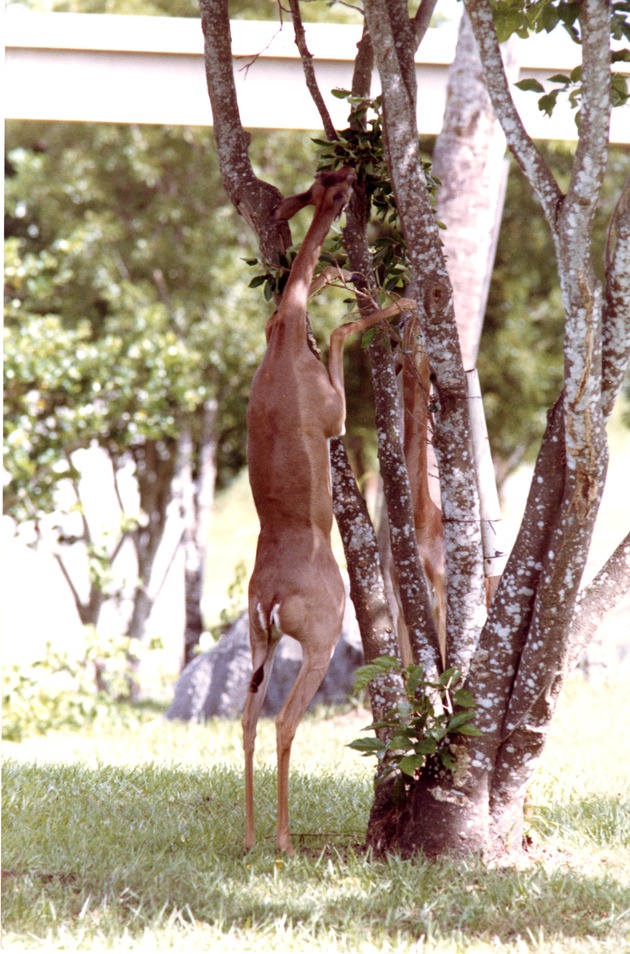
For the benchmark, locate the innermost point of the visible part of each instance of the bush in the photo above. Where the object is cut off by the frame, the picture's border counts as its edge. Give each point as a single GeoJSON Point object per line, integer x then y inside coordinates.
{"type": "Point", "coordinates": [61, 691]}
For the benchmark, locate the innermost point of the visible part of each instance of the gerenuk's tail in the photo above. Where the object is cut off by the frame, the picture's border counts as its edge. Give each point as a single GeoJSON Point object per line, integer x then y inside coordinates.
{"type": "Point", "coordinates": [259, 675]}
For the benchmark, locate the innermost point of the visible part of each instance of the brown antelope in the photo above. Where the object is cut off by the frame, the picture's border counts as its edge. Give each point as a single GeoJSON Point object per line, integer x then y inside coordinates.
{"type": "Point", "coordinates": [296, 405]}
{"type": "Point", "coordinates": [427, 516]}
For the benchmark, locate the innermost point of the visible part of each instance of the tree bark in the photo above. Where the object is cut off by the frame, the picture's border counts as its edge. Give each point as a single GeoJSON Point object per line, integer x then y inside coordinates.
{"type": "Point", "coordinates": [469, 160]}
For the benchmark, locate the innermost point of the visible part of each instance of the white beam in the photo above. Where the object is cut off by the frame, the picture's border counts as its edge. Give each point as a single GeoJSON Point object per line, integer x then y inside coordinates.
{"type": "Point", "coordinates": [105, 68]}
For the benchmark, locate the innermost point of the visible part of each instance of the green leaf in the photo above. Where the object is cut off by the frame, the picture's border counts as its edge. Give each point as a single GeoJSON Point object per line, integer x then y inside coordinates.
{"type": "Point", "coordinates": [547, 104]}
{"type": "Point", "coordinates": [367, 746]}
{"type": "Point", "coordinates": [426, 747]}
{"type": "Point", "coordinates": [530, 84]}
{"type": "Point", "coordinates": [469, 729]}
{"type": "Point", "coordinates": [414, 679]}
{"type": "Point", "coordinates": [379, 667]}
{"type": "Point", "coordinates": [464, 698]}
{"type": "Point", "coordinates": [448, 760]}
{"type": "Point", "coordinates": [549, 18]}
{"type": "Point", "coordinates": [458, 720]}
{"type": "Point", "coordinates": [561, 78]}
{"type": "Point", "coordinates": [450, 677]}
{"type": "Point", "coordinates": [619, 90]}
{"type": "Point", "coordinates": [412, 764]}
{"type": "Point", "coordinates": [400, 741]}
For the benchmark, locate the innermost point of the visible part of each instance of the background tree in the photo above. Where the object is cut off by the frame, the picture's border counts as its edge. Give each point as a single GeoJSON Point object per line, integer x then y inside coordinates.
{"type": "Point", "coordinates": [121, 330]}
{"type": "Point", "coordinates": [471, 796]}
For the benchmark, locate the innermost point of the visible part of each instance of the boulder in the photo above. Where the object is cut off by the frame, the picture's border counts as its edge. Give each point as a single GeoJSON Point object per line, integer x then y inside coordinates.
{"type": "Point", "coordinates": [215, 682]}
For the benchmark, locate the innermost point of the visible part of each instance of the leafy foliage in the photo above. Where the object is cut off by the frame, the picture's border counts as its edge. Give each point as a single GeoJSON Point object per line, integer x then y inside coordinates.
{"type": "Point", "coordinates": [119, 324]}
{"type": "Point", "coordinates": [62, 692]}
{"type": "Point", "coordinates": [423, 727]}
{"type": "Point", "coordinates": [537, 16]}
{"type": "Point", "coordinates": [361, 147]}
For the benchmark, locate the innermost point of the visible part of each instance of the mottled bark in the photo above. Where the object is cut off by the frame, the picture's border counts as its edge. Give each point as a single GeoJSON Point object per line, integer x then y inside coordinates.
{"type": "Point", "coordinates": [469, 160]}
{"type": "Point", "coordinates": [394, 50]}
{"type": "Point", "coordinates": [251, 196]}
{"type": "Point", "coordinates": [367, 587]}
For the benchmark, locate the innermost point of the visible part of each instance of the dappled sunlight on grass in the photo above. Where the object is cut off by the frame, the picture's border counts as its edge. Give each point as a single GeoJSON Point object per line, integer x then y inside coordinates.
{"type": "Point", "coordinates": [130, 839]}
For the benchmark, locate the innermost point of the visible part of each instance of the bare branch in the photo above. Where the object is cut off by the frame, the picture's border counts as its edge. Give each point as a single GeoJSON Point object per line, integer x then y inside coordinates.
{"type": "Point", "coordinates": [616, 310]}
{"type": "Point", "coordinates": [597, 599]}
{"type": "Point", "coordinates": [252, 197]}
{"type": "Point", "coordinates": [363, 65]}
{"type": "Point", "coordinates": [422, 19]}
{"type": "Point", "coordinates": [309, 73]}
{"type": "Point", "coordinates": [591, 154]}
{"type": "Point", "coordinates": [522, 146]}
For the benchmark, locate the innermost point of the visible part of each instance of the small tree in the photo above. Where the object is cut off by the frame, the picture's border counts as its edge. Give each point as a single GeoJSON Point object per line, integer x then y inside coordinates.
{"type": "Point", "coordinates": [119, 334]}
{"type": "Point", "coordinates": [467, 792]}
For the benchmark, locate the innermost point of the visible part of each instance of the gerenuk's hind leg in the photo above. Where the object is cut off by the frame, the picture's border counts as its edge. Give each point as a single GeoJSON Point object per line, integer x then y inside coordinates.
{"type": "Point", "coordinates": [263, 649]}
{"type": "Point", "coordinates": [314, 666]}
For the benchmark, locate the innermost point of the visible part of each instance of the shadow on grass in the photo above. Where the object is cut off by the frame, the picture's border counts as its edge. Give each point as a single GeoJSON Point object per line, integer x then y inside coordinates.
{"type": "Point", "coordinates": [127, 847]}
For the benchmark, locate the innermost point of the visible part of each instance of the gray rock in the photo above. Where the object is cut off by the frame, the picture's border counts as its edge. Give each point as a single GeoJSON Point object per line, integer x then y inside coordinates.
{"type": "Point", "coordinates": [215, 682]}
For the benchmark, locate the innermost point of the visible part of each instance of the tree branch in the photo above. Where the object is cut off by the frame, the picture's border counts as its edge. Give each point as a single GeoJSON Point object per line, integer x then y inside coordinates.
{"type": "Point", "coordinates": [522, 146]}
{"type": "Point", "coordinates": [252, 197]}
{"type": "Point", "coordinates": [616, 309]}
{"type": "Point", "coordinates": [309, 72]}
{"type": "Point", "coordinates": [591, 154]}
{"type": "Point", "coordinates": [422, 19]}
{"type": "Point", "coordinates": [596, 600]}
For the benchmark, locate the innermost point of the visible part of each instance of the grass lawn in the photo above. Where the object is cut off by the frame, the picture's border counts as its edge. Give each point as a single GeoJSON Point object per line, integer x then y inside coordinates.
{"type": "Point", "coordinates": [128, 837]}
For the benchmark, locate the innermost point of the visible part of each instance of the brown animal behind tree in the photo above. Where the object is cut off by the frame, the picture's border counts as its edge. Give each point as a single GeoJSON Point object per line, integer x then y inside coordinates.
{"type": "Point", "coordinates": [296, 405]}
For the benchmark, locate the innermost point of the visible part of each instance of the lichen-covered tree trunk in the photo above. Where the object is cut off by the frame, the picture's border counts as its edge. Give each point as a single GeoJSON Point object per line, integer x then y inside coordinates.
{"type": "Point", "coordinates": [517, 667]}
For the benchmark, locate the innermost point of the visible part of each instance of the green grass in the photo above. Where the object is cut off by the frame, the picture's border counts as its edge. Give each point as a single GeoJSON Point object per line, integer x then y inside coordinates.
{"type": "Point", "coordinates": [128, 837]}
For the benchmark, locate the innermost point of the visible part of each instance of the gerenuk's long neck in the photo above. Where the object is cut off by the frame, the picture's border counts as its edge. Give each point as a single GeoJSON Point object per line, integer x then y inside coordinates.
{"type": "Point", "coordinates": [294, 300]}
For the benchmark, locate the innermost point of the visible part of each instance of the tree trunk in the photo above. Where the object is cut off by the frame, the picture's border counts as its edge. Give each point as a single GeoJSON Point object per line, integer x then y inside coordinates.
{"type": "Point", "coordinates": [196, 493]}
{"type": "Point", "coordinates": [155, 468]}
{"type": "Point", "coordinates": [469, 160]}
{"type": "Point", "coordinates": [519, 662]}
